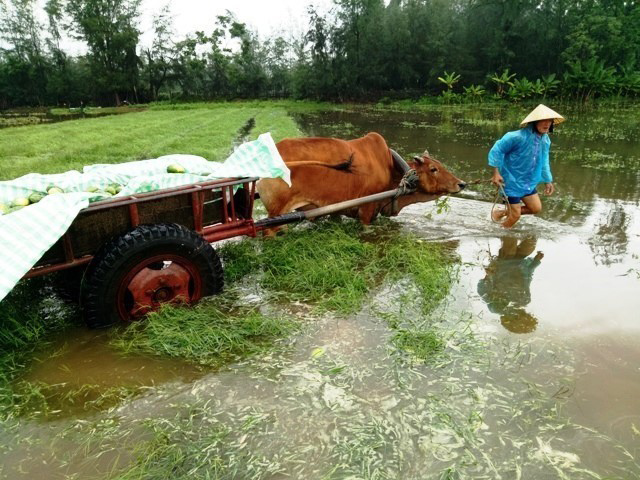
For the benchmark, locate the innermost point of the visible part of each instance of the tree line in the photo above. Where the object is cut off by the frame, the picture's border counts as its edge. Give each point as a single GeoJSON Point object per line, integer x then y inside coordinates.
{"type": "Point", "coordinates": [359, 50]}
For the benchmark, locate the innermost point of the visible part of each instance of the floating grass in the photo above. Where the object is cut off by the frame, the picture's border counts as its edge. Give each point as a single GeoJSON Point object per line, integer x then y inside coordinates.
{"type": "Point", "coordinates": [488, 411]}
{"type": "Point", "coordinates": [419, 344]}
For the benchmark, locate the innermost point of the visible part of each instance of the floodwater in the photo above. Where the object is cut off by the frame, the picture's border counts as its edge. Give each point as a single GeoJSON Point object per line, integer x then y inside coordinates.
{"type": "Point", "coordinates": [540, 377]}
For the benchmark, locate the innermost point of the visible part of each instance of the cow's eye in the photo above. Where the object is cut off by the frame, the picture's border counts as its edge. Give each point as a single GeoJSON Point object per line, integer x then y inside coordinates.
{"type": "Point", "coordinates": [434, 169]}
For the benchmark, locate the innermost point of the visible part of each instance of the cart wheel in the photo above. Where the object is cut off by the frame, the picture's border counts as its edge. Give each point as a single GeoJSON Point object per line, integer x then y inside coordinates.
{"type": "Point", "coordinates": [145, 268]}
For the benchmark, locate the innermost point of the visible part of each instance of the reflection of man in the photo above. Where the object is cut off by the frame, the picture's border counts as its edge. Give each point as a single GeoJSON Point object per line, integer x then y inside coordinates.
{"type": "Point", "coordinates": [506, 288]}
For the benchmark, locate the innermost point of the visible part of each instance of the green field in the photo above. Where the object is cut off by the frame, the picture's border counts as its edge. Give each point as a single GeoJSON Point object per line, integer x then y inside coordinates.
{"type": "Point", "coordinates": [207, 130]}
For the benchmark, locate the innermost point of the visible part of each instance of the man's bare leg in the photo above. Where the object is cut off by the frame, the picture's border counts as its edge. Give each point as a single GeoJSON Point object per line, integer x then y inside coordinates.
{"type": "Point", "coordinates": [532, 204]}
{"type": "Point", "coordinates": [513, 215]}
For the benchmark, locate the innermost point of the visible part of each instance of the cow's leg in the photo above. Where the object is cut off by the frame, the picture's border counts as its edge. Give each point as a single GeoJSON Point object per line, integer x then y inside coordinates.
{"type": "Point", "coordinates": [366, 213]}
{"type": "Point", "coordinates": [291, 205]}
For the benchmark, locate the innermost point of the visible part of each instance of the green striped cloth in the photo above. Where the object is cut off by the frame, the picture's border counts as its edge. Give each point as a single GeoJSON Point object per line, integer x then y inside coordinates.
{"type": "Point", "coordinates": [26, 234]}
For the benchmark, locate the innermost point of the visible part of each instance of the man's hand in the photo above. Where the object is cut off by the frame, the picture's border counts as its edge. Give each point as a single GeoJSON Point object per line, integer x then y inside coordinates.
{"type": "Point", "coordinates": [549, 188]}
{"type": "Point", "coordinates": [497, 179]}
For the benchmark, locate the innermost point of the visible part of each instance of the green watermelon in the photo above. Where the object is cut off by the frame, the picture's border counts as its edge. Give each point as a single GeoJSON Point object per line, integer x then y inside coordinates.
{"type": "Point", "coordinates": [175, 168]}
{"type": "Point", "coordinates": [35, 197]}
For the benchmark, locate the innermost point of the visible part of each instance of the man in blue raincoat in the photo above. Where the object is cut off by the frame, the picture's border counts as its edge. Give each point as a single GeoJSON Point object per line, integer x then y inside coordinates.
{"type": "Point", "coordinates": [521, 161]}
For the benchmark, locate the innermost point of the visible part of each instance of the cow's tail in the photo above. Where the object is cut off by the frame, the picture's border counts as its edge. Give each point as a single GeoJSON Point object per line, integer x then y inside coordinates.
{"type": "Point", "coordinates": [345, 166]}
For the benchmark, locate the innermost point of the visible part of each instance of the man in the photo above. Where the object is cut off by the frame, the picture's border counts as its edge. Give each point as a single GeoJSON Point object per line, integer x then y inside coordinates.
{"type": "Point", "coordinates": [521, 161]}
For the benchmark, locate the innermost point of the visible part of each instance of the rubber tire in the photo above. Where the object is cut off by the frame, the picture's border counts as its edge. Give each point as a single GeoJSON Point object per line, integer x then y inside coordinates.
{"type": "Point", "coordinates": [115, 260]}
{"type": "Point", "coordinates": [67, 284]}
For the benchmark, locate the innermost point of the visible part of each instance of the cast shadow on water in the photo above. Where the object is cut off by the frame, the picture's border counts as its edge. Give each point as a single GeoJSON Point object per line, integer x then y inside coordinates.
{"type": "Point", "coordinates": [506, 287]}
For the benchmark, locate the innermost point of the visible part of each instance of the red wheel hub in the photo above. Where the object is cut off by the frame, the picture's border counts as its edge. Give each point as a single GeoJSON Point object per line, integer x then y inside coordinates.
{"type": "Point", "coordinates": [155, 281]}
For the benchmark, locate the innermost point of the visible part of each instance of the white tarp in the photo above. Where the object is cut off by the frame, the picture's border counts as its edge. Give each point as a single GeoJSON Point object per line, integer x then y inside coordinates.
{"type": "Point", "coordinates": [26, 234]}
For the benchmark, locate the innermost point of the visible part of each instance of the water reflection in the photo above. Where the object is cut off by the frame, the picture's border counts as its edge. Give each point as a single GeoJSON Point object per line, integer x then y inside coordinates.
{"type": "Point", "coordinates": [506, 287]}
{"type": "Point", "coordinates": [609, 239]}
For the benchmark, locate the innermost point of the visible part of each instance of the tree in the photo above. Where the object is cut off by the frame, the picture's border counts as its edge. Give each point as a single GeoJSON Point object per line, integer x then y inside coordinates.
{"type": "Point", "coordinates": [25, 65]}
{"type": "Point", "coordinates": [313, 77]}
{"type": "Point", "coordinates": [249, 73]}
{"type": "Point", "coordinates": [356, 43]}
{"type": "Point", "coordinates": [159, 57]}
{"type": "Point", "coordinates": [110, 31]}
{"type": "Point", "coordinates": [277, 64]}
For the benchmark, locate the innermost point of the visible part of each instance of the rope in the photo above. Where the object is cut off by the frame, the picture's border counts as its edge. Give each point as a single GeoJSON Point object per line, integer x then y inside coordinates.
{"type": "Point", "coordinates": [501, 193]}
{"type": "Point", "coordinates": [477, 181]}
{"type": "Point", "coordinates": [408, 183]}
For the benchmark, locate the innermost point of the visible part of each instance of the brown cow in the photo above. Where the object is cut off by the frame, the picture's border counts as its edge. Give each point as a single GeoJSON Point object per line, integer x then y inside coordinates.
{"type": "Point", "coordinates": [325, 171]}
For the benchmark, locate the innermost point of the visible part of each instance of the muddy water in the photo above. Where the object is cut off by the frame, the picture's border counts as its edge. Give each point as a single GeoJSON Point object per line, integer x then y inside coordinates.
{"type": "Point", "coordinates": [571, 275]}
{"type": "Point", "coordinates": [539, 379]}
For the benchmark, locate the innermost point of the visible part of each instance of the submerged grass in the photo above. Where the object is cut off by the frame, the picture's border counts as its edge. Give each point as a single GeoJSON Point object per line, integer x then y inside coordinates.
{"type": "Point", "coordinates": [489, 411]}
{"type": "Point", "coordinates": [29, 315]}
{"type": "Point", "coordinates": [205, 334]}
{"type": "Point", "coordinates": [336, 264]}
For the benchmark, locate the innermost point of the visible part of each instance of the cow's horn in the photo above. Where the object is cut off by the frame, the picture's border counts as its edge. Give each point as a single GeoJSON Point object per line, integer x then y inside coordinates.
{"type": "Point", "coordinates": [399, 162]}
{"type": "Point", "coordinates": [426, 153]}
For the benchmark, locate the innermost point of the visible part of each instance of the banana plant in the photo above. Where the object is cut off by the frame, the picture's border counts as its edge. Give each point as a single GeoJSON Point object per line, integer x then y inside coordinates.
{"type": "Point", "coordinates": [628, 80]}
{"type": "Point", "coordinates": [449, 79]}
{"type": "Point", "coordinates": [537, 88]}
{"type": "Point", "coordinates": [590, 78]}
{"type": "Point", "coordinates": [549, 84]}
{"type": "Point", "coordinates": [522, 88]}
{"type": "Point", "coordinates": [449, 96]}
{"type": "Point", "coordinates": [474, 92]}
{"type": "Point", "coordinates": [502, 81]}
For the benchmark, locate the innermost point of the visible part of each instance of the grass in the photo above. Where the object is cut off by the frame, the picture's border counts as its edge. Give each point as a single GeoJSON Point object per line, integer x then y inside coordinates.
{"type": "Point", "coordinates": [205, 335]}
{"type": "Point", "coordinates": [204, 130]}
{"type": "Point", "coordinates": [28, 317]}
{"type": "Point", "coordinates": [336, 264]}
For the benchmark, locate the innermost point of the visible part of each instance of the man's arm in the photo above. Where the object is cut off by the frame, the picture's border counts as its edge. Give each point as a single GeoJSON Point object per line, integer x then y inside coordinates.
{"type": "Point", "coordinates": [498, 153]}
{"type": "Point", "coordinates": [547, 178]}
{"type": "Point", "coordinates": [496, 178]}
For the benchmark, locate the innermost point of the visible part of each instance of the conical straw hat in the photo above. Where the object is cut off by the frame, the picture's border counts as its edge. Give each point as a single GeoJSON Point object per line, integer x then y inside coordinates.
{"type": "Point", "coordinates": [542, 112]}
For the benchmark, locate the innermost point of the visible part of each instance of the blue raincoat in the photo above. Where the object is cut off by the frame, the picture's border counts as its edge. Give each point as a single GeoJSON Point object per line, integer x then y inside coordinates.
{"type": "Point", "coordinates": [522, 157]}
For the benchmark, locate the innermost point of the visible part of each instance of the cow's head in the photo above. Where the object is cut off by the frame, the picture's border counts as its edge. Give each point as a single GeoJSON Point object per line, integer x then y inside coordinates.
{"type": "Point", "coordinates": [434, 177]}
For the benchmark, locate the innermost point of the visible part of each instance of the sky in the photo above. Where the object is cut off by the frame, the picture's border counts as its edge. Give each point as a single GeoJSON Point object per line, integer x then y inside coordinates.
{"type": "Point", "coordinates": [266, 17]}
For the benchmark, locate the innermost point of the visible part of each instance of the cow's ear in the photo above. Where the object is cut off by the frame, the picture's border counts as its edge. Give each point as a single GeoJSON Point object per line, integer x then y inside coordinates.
{"type": "Point", "coordinates": [418, 159]}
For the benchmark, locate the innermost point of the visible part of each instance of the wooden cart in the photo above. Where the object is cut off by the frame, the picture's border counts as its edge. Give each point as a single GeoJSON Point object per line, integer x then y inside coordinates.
{"type": "Point", "coordinates": [138, 252]}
